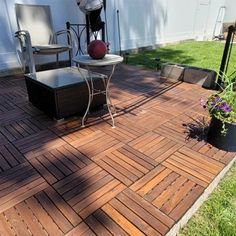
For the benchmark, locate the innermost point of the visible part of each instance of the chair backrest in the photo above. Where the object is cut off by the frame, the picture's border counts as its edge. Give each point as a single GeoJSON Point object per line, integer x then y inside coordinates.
{"type": "Point", "coordinates": [37, 20]}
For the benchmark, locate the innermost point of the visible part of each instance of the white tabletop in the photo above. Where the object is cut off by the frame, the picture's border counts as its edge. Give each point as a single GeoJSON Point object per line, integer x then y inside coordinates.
{"type": "Point", "coordinates": [109, 59]}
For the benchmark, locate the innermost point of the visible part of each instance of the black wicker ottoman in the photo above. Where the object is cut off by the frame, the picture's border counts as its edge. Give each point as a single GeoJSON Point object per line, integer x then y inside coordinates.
{"type": "Point", "coordinates": [62, 92]}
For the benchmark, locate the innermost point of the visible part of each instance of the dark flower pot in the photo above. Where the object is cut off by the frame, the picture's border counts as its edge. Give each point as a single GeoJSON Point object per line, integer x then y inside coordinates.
{"type": "Point", "coordinates": [224, 142]}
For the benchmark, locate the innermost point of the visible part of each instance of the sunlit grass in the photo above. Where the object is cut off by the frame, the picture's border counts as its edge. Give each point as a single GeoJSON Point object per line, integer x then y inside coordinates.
{"type": "Point", "coordinates": [201, 54]}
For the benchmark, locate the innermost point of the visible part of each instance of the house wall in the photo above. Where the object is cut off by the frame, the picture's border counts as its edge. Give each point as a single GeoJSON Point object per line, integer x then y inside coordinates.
{"type": "Point", "coordinates": [230, 16]}
{"type": "Point", "coordinates": [142, 23]}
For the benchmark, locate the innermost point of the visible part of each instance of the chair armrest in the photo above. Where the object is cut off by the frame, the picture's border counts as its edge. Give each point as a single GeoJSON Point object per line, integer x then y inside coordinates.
{"type": "Point", "coordinates": [24, 37]}
{"type": "Point", "coordinates": [26, 48]}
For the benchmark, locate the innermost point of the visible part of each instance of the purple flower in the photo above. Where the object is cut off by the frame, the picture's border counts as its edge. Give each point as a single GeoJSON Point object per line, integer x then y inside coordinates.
{"type": "Point", "coordinates": [224, 106]}
{"type": "Point", "coordinates": [227, 108]}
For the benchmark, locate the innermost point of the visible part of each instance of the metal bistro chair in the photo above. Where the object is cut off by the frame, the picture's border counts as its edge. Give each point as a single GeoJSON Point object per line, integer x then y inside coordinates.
{"type": "Point", "coordinates": [36, 34]}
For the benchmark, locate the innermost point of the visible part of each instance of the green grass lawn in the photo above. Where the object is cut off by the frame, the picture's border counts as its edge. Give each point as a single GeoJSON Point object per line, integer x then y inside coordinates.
{"type": "Point", "coordinates": [217, 216]}
{"type": "Point", "coordinates": [201, 54]}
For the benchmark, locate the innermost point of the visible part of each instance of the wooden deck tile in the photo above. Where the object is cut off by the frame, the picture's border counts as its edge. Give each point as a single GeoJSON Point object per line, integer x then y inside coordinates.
{"type": "Point", "coordinates": [43, 217]}
{"type": "Point", "coordinates": [127, 164]}
{"type": "Point", "coordinates": [59, 162]}
{"type": "Point", "coordinates": [9, 157]}
{"type": "Point", "coordinates": [94, 144]}
{"type": "Point", "coordinates": [38, 143]}
{"type": "Point", "coordinates": [18, 184]}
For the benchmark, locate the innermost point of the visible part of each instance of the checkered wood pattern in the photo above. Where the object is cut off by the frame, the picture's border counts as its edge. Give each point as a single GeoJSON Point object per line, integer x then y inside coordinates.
{"type": "Point", "coordinates": [137, 179]}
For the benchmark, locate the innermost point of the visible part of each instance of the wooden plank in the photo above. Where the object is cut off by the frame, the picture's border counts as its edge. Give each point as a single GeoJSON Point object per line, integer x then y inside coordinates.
{"type": "Point", "coordinates": [15, 183]}
{"type": "Point", "coordinates": [111, 225]}
{"type": "Point", "coordinates": [12, 173]}
{"type": "Point", "coordinates": [97, 227]}
{"type": "Point", "coordinates": [77, 157]}
{"type": "Point", "coordinates": [43, 217]}
{"type": "Point", "coordinates": [204, 167]}
{"type": "Point", "coordinates": [185, 174]}
{"type": "Point", "coordinates": [65, 158]}
{"type": "Point", "coordinates": [110, 169]}
{"type": "Point", "coordinates": [57, 216]}
{"type": "Point", "coordinates": [50, 167]}
{"type": "Point", "coordinates": [82, 229]}
{"type": "Point", "coordinates": [4, 152]}
{"type": "Point", "coordinates": [138, 169]}
{"type": "Point", "coordinates": [156, 150]}
{"type": "Point", "coordinates": [62, 185]}
{"type": "Point", "coordinates": [102, 200]}
{"type": "Point", "coordinates": [90, 199]}
{"type": "Point", "coordinates": [139, 157]}
{"type": "Point", "coordinates": [157, 190]}
{"type": "Point", "coordinates": [140, 141]}
{"type": "Point", "coordinates": [85, 190]}
{"type": "Point", "coordinates": [47, 175]}
{"type": "Point", "coordinates": [23, 193]}
{"type": "Point", "coordinates": [155, 212]}
{"type": "Point", "coordinates": [89, 138]}
{"type": "Point", "coordinates": [7, 134]}
{"type": "Point", "coordinates": [56, 161]}
{"type": "Point", "coordinates": [30, 220]}
{"type": "Point", "coordinates": [187, 168]}
{"type": "Point", "coordinates": [125, 167]}
{"type": "Point", "coordinates": [5, 227]}
{"type": "Point", "coordinates": [81, 178]}
{"type": "Point", "coordinates": [4, 165]}
{"type": "Point", "coordinates": [186, 203]}
{"type": "Point", "coordinates": [169, 192]}
{"type": "Point", "coordinates": [122, 221]}
{"type": "Point", "coordinates": [131, 214]}
{"type": "Point", "coordinates": [228, 157]}
{"type": "Point", "coordinates": [16, 222]}
{"type": "Point", "coordinates": [177, 197]}
{"type": "Point", "coordinates": [98, 147]}
{"type": "Point", "coordinates": [193, 165]}
{"type": "Point", "coordinates": [63, 206]}
{"type": "Point", "coordinates": [205, 160]}
{"type": "Point", "coordinates": [167, 151]}
{"type": "Point", "coordinates": [146, 178]}
{"type": "Point", "coordinates": [151, 144]}
{"type": "Point", "coordinates": [154, 182]}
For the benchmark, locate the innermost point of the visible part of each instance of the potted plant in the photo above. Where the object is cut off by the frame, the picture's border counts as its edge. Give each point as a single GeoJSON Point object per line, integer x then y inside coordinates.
{"type": "Point", "coordinates": [222, 109]}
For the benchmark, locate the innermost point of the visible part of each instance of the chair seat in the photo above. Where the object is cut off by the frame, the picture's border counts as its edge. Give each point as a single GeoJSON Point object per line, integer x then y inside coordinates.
{"type": "Point", "coordinates": [50, 48]}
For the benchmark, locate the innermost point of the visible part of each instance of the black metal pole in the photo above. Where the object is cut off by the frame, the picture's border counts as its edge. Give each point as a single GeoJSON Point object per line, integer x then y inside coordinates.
{"type": "Point", "coordinates": [68, 40]}
{"type": "Point", "coordinates": [118, 25]}
{"type": "Point", "coordinates": [87, 30]}
{"type": "Point", "coordinates": [105, 13]}
{"type": "Point", "coordinates": [225, 56]}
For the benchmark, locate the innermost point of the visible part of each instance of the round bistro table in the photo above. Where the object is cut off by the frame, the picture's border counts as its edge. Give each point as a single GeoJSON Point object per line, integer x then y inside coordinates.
{"type": "Point", "coordinates": [89, 63]}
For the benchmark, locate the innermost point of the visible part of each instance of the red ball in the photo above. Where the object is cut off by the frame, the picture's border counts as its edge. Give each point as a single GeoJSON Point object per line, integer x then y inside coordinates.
{"type": "Point", "coordinates": [97, 49]}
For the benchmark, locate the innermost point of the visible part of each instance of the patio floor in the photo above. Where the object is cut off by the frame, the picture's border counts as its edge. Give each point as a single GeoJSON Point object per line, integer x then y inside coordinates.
{"type": "Point", "coordinates": [140, 178]}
